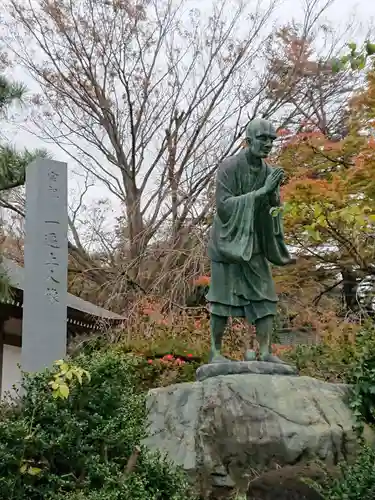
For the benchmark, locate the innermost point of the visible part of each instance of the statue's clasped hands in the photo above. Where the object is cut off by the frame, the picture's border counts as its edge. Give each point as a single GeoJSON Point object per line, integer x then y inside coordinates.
{"type": "Point", "coordinates": [273, 180]}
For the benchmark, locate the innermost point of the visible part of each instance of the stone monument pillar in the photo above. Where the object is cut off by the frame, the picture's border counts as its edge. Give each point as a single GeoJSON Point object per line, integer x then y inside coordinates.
{"type": "Point", "coordinates": [44, 327]}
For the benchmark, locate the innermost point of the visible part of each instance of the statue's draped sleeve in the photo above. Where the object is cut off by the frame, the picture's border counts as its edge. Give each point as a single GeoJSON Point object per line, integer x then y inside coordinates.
{"type": "Point", "coordinates": [232, 237]}
{"type": "Point", "coordinates": [233, 232]}
{"type": "Point", "coordinates": [272, 235]}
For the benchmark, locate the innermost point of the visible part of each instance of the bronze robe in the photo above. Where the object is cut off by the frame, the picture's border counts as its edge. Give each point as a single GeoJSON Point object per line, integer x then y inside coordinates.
{"type": "Point", "coordinates": [244, 239]}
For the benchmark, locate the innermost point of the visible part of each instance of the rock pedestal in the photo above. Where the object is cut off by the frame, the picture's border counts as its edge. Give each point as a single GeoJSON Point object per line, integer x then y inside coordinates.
{"type": "Point", "coordinates": [242, 368]}
{"type": "Point", "coordinates": [224, 428]}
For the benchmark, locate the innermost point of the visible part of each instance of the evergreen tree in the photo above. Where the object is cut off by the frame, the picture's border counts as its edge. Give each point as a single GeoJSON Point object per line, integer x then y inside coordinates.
{"type": "Point", "coordinates": [13, 163]}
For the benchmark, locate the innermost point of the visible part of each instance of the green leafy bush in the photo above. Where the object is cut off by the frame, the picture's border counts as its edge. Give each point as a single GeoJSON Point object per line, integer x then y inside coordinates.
{"type": "Point", "coordinates": [347, 362]}
{"type": "Point", "coordinates": [160, 372]}
{"type": "Point", "coordinates": [327, 361]}
{"type": "Point", "coordinates": [76, 444]}
{"type": "Point", "coordinates": [356, 482]}
{"type": "Point", "coordinates": [362, 377]}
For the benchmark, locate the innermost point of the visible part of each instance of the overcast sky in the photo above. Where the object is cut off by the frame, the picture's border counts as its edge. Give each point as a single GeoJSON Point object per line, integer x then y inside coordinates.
{"type": "Point", "coordinates": [363, 11]}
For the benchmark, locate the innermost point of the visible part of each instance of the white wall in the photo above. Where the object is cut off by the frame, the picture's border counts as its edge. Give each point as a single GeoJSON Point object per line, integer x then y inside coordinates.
{"type": "Point", "coordinates": [11, 372]}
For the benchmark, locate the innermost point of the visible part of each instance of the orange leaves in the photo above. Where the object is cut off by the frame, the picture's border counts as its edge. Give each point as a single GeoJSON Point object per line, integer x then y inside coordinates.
{"type": "Point", "coordinates": [308, 190]}
{"type": "Point", "coordinates": [202, 281]}
{"type": "Point", "coordinates": [332, 146]}
{"type": "Point", "coordinates": [363, 103]}
{"type": "Point", "coordinates": [308, 135]}
{"type": "Point", "coordinates": [151, 309]}
{"type": "Point", "coordinates": [324, 189]}
{"type": "Point", "coordinates": [362, 176]}
{"type": "Point", "coordinates": [359, 162]}
{"type": "Point", "coordinates": [319, 169]}
{"type": "Point", "coordinates": [307, 154]}
{"type": "Point", "coordinates": [279, 349]}
{"type": "Point", "coordinates": [282, 132]}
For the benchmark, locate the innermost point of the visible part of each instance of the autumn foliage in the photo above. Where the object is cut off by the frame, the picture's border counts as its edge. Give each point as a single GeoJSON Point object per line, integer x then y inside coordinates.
{"type": "Point", "coordinates": [329, 203]}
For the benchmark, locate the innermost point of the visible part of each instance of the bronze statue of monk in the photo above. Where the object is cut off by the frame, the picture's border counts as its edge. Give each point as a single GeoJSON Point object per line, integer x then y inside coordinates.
{"type": "Point", "coordinates": [245, 238]}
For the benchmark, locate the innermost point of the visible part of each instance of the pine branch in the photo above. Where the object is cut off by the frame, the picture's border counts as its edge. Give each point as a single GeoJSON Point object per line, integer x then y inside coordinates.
{"type": "Point", "coordinates": [10, 92]}
{"type": "Point", "coordinates": [13, 165]}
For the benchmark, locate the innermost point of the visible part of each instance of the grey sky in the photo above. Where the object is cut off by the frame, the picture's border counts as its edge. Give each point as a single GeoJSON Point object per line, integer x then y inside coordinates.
{"type": "Point", "coordinates": [361, 11]}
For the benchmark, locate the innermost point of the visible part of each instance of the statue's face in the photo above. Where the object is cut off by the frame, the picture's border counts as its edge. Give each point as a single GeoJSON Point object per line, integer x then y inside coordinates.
{"type": "Point", "coordinates": [260, 139]}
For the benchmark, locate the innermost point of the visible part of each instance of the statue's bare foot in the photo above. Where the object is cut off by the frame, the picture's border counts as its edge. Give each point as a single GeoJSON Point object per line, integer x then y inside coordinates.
{"type": "Point", "coordinates": [270, 358]}
{"type": "Point", "coordinates": [250, 355]}
{"type": "Point", "coordinates": [218, 358]}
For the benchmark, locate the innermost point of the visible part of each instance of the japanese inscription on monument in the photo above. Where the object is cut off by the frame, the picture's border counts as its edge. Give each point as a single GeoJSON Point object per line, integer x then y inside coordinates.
{"type": "Point", "coordinates": [46, 263]}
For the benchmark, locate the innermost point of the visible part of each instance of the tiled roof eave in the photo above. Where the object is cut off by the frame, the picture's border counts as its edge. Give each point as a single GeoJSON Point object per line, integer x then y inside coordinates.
{"type": "Point", "coordinates": [96, 324]}
{"type": "Point", "coordinates": [11, 302]}
{"type": "Point", "coordinates": [84, 308]}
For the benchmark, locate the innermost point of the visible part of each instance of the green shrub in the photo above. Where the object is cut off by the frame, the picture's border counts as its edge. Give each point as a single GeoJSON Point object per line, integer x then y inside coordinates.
{"type": "Point", "coordinates": [154, 368]}
{"type": "Point", "coordinates": [76, 446]}
{"type": "Point", "coordinates": [158, 372]}
{"type": "Point", "coordinates": [326, 361]}
{"type": "Point", "coordinates": [362, 377]}
{"type": "Point", "coordinates": [356, 482]}
{"type": "Point", "coordinates": [347, 362]}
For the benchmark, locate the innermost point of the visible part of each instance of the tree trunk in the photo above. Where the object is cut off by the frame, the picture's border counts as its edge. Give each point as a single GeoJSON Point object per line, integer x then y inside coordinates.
{"type": "Point", "coordinates": [137, 238]}
{"type": "Point", "coordinates": [350, 284]}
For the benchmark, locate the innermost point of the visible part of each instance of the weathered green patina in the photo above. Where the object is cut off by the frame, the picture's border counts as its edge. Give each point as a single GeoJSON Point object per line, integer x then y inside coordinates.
{"type": "Point", "coordinates": [245, 238]}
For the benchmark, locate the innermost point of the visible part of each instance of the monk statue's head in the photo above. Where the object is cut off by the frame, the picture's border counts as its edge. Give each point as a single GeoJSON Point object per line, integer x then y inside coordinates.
{"type": "Point", "coordinates": [260, 134]}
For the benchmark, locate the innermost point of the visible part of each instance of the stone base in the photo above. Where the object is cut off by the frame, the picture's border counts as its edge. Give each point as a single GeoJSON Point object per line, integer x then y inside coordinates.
{"type": "Point", "coordinates": [223, 429]}
{"type": "Point", "coordinates": [244, 367]}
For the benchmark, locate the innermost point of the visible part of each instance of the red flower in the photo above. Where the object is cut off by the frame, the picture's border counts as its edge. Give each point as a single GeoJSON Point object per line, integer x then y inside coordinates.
{"type": "Point", "coordinates": [168, 357]}
{"type": "Point", "coordinates": [149, 361]}
{"type": "Point", "coordinates": [189, 355]}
